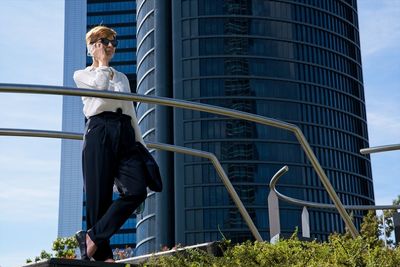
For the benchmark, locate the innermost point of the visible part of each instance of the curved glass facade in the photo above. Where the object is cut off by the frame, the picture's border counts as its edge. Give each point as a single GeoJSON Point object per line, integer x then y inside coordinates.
{"type": "Point", "coordinates": [146, 225]}
{"type": "Point", "coordinates": [298, 61]}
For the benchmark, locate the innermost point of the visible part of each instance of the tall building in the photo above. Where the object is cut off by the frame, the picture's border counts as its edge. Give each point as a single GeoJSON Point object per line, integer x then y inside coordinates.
{"type": "Point", "coordinates": [294, 60]}
{"type": "Point", "coordinates": [80, 17]}
{"type": "Point", "coordinates": [71, 181]}
{"type": "Point", "coordinates": [155, 226]}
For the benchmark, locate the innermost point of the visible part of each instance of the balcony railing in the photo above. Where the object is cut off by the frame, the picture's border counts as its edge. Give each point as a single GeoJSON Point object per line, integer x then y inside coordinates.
{"type": "Point", "coordinates": [274, 195]}
{"type": "Point", "coordinates": [53, 90]}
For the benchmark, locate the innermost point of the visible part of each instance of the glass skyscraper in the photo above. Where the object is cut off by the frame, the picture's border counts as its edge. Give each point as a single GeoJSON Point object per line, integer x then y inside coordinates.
{"type": "Point", "coordinates": [155, 226]}
{"type": "Point", "coordinates": [71, 181]}
{"type": "Point", "coordinates": [294, 60]}
{"type": "Point", "coordinates": [80, 17]}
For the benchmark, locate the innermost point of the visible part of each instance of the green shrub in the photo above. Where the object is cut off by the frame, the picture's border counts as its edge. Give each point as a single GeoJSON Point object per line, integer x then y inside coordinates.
{"type": "Point", "coordinates": [339, 250]}
{"type": "Point", "coordinates": [63, 247]}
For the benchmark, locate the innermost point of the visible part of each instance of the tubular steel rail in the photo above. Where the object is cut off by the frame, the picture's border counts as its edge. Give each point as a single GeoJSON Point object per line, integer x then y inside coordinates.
{"type": "Point", "coordinates": [54, 90]}
{"type": "Point", "coordinates": [209, 247]}
{"type": "Point", "coordinates": [304, 203]}
{"type": "Point", "coordinates": [377, 149]}
{"type": "Point", "coordinates": [153, 145]}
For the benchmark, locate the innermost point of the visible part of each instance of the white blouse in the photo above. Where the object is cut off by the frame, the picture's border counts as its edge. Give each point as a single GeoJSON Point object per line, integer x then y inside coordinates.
{"type": "Point", "coordinates": [99, 78]}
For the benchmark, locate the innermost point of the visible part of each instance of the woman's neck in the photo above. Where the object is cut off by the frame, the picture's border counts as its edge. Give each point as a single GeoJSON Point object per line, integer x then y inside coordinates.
{"type": "Point", "coordinates": [96, 64]}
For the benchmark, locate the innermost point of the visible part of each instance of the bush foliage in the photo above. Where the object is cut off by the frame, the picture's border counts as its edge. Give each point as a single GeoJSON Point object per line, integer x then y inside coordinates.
{"type": "Point", "coordinates": [63, 247]}
{"type": "Point", "coordinates": [340, 250]}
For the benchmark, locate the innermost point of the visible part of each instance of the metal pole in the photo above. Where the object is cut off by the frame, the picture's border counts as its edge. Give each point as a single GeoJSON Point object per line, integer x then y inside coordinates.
{"type": "Point", "coordinates": [220, 171]}
{"type": "Point", "coordinates": [235, 197]}
{"type": "Point", "coordinates": [18, 88]}
{"type": "Point", "coordinates": [384, 227]}
{"type": "Point", "coordinates": [304, 203]}
{"type": "Point", "coordinates": [327, 184]}
{"type": "Point", "coordinates": [305, 223]}
{"type": "Point", "coordinates": [396, 224]}
{"type": "Point", "coordinates": [377, 149]}
{"type": "Point", "coordinates": [273, 215]}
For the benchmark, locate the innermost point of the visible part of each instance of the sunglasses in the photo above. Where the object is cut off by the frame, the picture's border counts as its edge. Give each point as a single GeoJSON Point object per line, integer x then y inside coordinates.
{"type": "Point", "coordinates": [106, 41]}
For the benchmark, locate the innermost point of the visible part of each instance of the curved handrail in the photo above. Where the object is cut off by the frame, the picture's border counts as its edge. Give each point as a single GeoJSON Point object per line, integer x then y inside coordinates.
{"type": "Point", "coordinates": [377, 149]}
{"type": "Point", "coordinates": [54, 90]}
{"type": "Point", "coordinates": [172, 148]}
{"type": "Point", "coordinates": [304, 203]}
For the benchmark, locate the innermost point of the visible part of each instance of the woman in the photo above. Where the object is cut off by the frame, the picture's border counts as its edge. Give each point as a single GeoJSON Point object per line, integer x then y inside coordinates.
{"type": "Point", "coordinates": [109, 153]}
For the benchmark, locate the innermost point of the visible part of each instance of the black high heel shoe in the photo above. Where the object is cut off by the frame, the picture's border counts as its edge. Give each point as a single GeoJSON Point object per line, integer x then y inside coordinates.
{"type": "Point", "coordinates": [81, 238]}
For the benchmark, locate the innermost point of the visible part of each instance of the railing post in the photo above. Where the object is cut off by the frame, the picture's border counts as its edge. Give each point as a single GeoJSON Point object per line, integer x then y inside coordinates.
{"type": "Point", "coordinates": [305, 222]}
{"type": "Point", "coordinates": [273, 215]}
{"type": "Point", "coordinates": [384, 227]}
{"type": "Point", "coordinates": [396, 225]}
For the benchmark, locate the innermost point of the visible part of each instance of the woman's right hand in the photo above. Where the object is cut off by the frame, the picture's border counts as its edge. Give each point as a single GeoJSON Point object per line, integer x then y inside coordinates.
{"type": "Point", "coordinates": [99, 54]}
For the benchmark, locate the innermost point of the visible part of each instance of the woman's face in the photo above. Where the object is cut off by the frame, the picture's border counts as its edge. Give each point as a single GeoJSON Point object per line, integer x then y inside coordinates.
{"type": "Point", "coordinates": [109, 44]}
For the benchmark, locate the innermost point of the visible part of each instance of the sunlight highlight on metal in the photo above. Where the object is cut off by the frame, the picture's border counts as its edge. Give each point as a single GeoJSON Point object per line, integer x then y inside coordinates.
{"type": "Point", "coordinates": [377, 149]}
{"type": "Point", "coordinates": [153, 145]}
{"type": "Point", "coordinates": [54, 90]}
{"type": "Point", "coordinates": [304, 203]}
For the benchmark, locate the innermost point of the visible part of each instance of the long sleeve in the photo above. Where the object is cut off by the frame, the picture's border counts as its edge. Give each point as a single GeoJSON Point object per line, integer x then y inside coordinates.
{"type": "Point", "coordinates": [135, 125]}
{"type": "Point", "coordinates": [100, 80]}
{"type": "Point", "coordinates": [131, 112]}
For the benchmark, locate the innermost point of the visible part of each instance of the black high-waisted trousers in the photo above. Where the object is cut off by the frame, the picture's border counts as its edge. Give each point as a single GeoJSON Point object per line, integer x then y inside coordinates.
{"type": "Point", "coordinates": [109, 157]}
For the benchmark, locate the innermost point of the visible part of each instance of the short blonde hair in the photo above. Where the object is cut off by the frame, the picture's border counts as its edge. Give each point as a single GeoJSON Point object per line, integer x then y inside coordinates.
{"type": "Point", "coordinates": [99, 32]}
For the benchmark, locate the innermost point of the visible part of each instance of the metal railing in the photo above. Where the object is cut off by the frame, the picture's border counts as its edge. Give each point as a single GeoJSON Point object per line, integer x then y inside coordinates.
{"type": "Point", "coordinates": [153, 145]}
{"type": "Point", "coordinates": [274, 195]}
{"type": "Point", "coordinates": [309, 204]}
{"type": "Point", "coordinates": [53, 90]}
{"type": "Point", "coordinates": [377, 149]}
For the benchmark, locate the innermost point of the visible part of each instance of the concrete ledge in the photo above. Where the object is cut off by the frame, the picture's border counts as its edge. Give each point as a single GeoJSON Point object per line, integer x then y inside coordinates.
{"type": "Point", "coordinates": [56, 262]}
{"type": "Point", "coordinates": [213, 248]}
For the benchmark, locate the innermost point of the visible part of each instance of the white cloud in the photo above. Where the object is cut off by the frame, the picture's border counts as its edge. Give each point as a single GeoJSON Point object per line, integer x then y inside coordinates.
{"type": "Point", "coordinates": [384, 128]}
{"type": "Point", "coordinates": [29, 187]}
{"type": "Point", "coordinates": [32, 46]}
{"type": "Point", "coordinates": [31, 167]}
{"type": "Point", "coordinates": [32, 205]}
{"type": "Point", "coordinates": [32, 41]}
{"type": "Point", "coordinates": [383, 114]}
{"type": "Point", "coordinates": [13, 258]}
{"type": "Point", "coordinates": [379, 25]}
{"type": "Point", "coordinates": [385, 186]}
{"type": "Point", "coordinates": [29, 181]}
{"type": "Point", "coordinates": [380, 42]}
{"type": "Point", "coordinates": [9, 193]}
{"type": "Point", "coordinates": [33, 238]}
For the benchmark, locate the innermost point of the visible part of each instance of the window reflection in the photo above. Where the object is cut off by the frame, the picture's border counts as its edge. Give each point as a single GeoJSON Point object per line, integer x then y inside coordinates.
{"type": "Point", "coordinates": [297, 61]}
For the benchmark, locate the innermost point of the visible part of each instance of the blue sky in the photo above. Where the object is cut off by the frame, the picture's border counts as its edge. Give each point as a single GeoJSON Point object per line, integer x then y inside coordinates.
{"type": "Point", "coordinates": [380, 48]}
{"type": "Point", "coordinates": [31, 47]}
